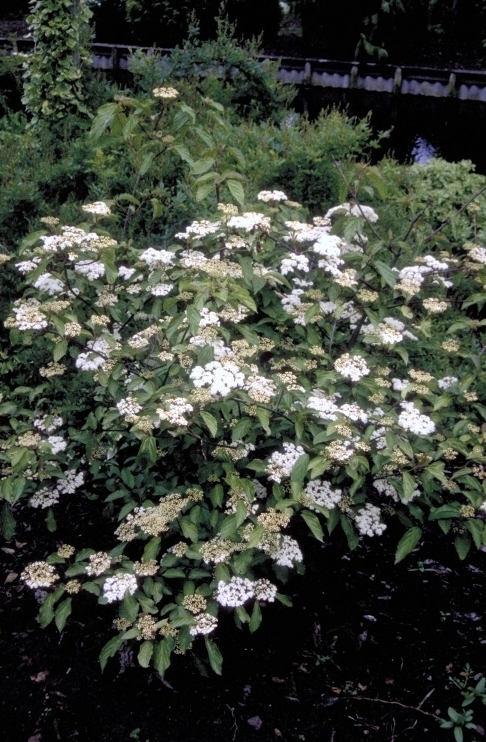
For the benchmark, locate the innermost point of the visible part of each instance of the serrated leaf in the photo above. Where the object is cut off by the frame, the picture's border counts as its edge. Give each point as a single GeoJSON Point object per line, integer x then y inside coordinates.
{"type": "Point", "coordinates": [349, 532]}
{"type": "Point", "coordinates": [129, 608]}
{"type": "Point", "coordinates": [51, 521]}
{"type": "Point", "coordinates": [109, 650]}
{"type": "Point", "coordinates": [214, 655]}
{"type": "Point", "coordinates": [299, 470]}
{"type": "Point", "coordinates": [313, 522]}
{"type": "Point", "coordinates": [210, 422]}
{"type": "Point", "coordinates": [389, 276]}
{"type": "Point", "coordinates": [256, 617]}
{"type": "Point", "coordinates": [409, 485]}
{"type": "Point", "coordinates": [60, 350]}
{"type": "Point", "coordinates": [203, 191]}
{"type": "Point", "coordinates": [145, 653]}
{"type": "Point", "coordinates": [63, 611]}
{"type": "Point", "coordinates": [445, 511]}
{"type": "Point", "coordinates": [407, 543]}
{"type": "Point", "coordinates": [189, 529]}
{"type": "Point", "coordinates": [7, 522]}
{"type": "Point", "coordinates": [162, 657]}
{"type": "Point", "coordinates": [463, 545]}
{"type": "Point", "coordinates": [236, 190]}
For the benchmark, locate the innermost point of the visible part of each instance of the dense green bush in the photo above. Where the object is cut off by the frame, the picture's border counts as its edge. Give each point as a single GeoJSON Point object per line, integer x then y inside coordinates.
{"type": "Point", "coordinates": [253, 373]}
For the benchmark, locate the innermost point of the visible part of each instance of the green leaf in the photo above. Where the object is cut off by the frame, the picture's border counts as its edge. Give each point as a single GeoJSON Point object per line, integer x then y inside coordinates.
{"type": "Point", "coordinates": [51, 521]}
{"type": "Point", "coordinates": [145, 653]}
{"type": "Point", "coordinates": [458, 734]}
{"type": "Point", "coordinates": [110, 649]}
{"type": "Point", "coordinates": [407, 543]}
{"type": "Point", "coordinates": [214, 655]}
{"type": "Point", "coordinates": [299, 470]}
{"type": "Point", "coordinates": [256, 617]}
{"type": "Point", "coordinates": [349, 531]}
{"type": "Point", "coordinates": [313, 522]}
{"type": "Point", "coordinates": [236, 190]}
{"type": "Point", "coordinates": [445, 511]}
{"type": "Point", "coordinates": [264, 419]}
{"type": "Point", "coordinates": [46, 612]}
{"type": "Point", "coordinates": [463, 545]}
{"type": "Point", "coordinates": [60, 350]}
{"type": "Point", "coordinates": [148, 449]}
{"type": "Point", "coordinates": [389, 276]}
{"type": "Point", "coordinates": [162, 657]}
{"type": "Point", "coordinates": [129, 608]}
{"type": "Point", "coordinates": [409, 485]}
{"type": "Point", "coordinates": [229, 526]}
{"type": "Point", "coordinates": [189, 529]}
{"type": "Point", "coordinates": [7, 522]}
{"type": "Point", "coordinates": [210, 422]}
{"type": "Point", "coordinates": [63, 611]}
{"type": "Point", "coordinates": [475, 528]}
{"type": "Point", "coordinates": [203, 191]}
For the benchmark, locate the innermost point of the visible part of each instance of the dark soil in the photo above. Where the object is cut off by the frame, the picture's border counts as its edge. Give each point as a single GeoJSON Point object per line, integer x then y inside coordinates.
{"type": "Point", "coordinates": [367, 653]}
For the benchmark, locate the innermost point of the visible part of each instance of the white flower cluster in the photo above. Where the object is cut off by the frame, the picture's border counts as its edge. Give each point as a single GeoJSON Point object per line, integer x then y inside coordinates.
{"type": "Point", "coordinates": [46, 497]}
{"type": "Point", "coordinates": [280, 465]}
{"type": "Point", "coordinates": [390, 331]}
{"type": "Point", "coordinates": [221, 378]}
{"type": "Point", "coordinates": [175, 411]}
{"type": "Point", "coordinates": [98, 208]}
{"type": "Point", "coordinates": [325, 407]}
{"type": "Point", "coordinates": [321, 493]}
{"type": "Point", "coordinates": [239, 589]}
{"type": "Point", "coordinates": [411, 419]}
{"type": "Point", "coordinates": [352, 367]}
{"type": "Point", "coordinates": [27, 265]}
{"type": "Point", "coordinates": [478, 254]}
{"type": "Point", "coordinates": [157, 258]}
{"type": "Point", "coordinates": [235, 592]}
{"type": "Point", "coordinates": [271, 196]}
{"type": "Point", "coordinates": [447, 381]}
{"type": "Point", "coordinates": [199, 228]}
{"type": "Point", "coordinates": [354, 210]}
{"type": "Point", "coordinates": [39, 574]}
{"type": "Point", "coordinates": [57, 443]}
{"type": "Point", "coordinates": [249, 221]}
{"type": "Point", "coordinates": [49, 284]}
{"type": "Point", "coordinates": [204, 623]}
{"type": "Point", "coordinates": [353, 412]}
{"type": "Point", "coordinates": [385, 488]}
{"type": "Point", "coordinates": [294, 262]}
{"type": "Point", "coordinates": [368, 521]}
{"type": "Point", "coordinates": [208, 318]}
{"type": "Point", "coordinates": [92, 269]}
{"type": "Point", "coordinates": [126, 273]}
{"type": "Point", "coordinates": [260, 389]}
{"type": "Point", "coordinates": [115, 587]}
{"type": "Point", "coordinates": [161, 289]}
{"type": "Point", "coordinates": [287, 553]}
{"type": "Point", "coordinates": [128, 406]}
{"type": "Point", "coordinates": [27, 315]}
{"type": "Point", "coordinates": [99, 351]}
{"type": "Point", "coordinates": [48, 423]}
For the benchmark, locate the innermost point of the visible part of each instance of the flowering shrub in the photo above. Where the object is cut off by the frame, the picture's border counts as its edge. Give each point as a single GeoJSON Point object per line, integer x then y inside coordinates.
{"type": "Point", "coordinates": [253, 372]}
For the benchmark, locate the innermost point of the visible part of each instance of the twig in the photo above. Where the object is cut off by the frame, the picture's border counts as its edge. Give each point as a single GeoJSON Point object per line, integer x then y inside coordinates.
{"type": "Point", "coordinates": [396, 703]}
{"type": "Point", "coordinates": [235, 725]}
{"type": "Point", "coordinates": [425, 698]}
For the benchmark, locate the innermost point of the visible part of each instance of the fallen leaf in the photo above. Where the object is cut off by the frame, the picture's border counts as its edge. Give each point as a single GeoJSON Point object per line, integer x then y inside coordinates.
{"type": "Point", "coordinates": [40, 677]}
{"type": "Point", "coordinates": [7, 550]}
{"type": "Point", "coordinates": [278, 680]}
{"type": "Point", "coordinates": [390, 681]}
{"type": "Point", "coordinates": [11, 577]}
{"type": "Point", "coordinates": [35, 738]}
{"type": "Point", "coordinates": [362, 687]}
{"type": "Point", "coordinates": [292, 698]}
{"type": "Point", "coordinates": [278, 733]}
{"type": "Point", "coordinates": [255, 722]}
{"type": "Point", "coordinates": [336, 690]}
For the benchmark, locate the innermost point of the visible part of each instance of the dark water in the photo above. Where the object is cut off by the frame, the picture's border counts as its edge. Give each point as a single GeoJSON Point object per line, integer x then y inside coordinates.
{"type": "Point", "coordinates": [420, 126]}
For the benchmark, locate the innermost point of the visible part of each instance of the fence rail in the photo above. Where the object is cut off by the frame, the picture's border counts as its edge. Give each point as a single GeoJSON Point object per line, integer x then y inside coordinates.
{"type": "Point", "coordinates": [312, 72]}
